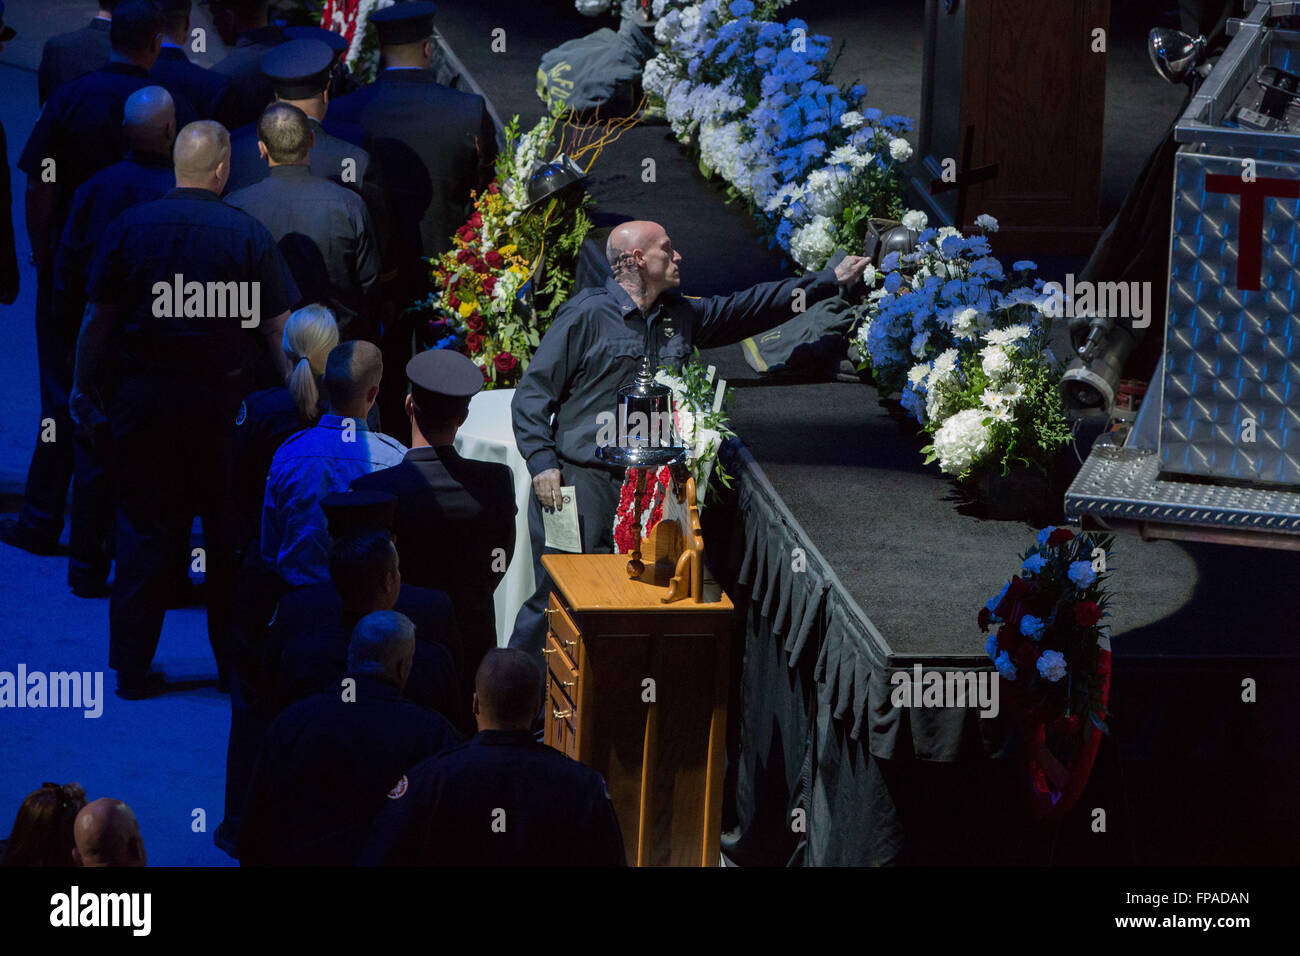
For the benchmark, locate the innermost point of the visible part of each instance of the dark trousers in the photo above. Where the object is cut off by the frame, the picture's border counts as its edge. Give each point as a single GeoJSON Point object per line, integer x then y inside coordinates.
{"type": "Point", "coordinates": [597, 490]}
{"type": "Point", "coordinates": [90, 526]}
{"type": "Point", "coordinates": [174, 444]}
{"type": "Point", "coordinates": [50, 470]}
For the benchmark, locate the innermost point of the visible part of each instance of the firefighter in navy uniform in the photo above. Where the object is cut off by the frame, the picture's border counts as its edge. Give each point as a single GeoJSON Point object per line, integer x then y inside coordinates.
{"type": "Point", "coordinates": [205, 89]}
{"type": "Point", "coordinates": [179, 379]}
{"type": "Point", "coordinates": [593, 348]}
{"type": "Point", "coordinates": [502, 799]}
{"type": "Point", "coordinates": [143, 176]}
{"type": "Point", "coordinates": [329, 760]}
{"type": "Point", "coordinates": [455, 516]}
{"type": "Point", "coordinates": [432, 145]}
{"type": "Point", "coordinates": [77, 134]}
{"type": "Point", "coordinates": [244, 25]}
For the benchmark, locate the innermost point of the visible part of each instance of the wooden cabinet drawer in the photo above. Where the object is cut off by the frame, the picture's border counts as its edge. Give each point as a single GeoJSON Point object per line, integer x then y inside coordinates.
{"type": "Point", "coordinates": [561, 667]}
{"type": "Point", "coordinates": [564, 632]}
{"type": "Point", "coordinates": [561, 722]}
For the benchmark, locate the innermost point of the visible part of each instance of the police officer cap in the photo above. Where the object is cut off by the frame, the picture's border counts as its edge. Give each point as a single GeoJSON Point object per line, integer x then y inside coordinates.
{"type": "Point", "coordinates": [355, 512]}
{"type": "Point", "coordinates": [404, 22]}
{"type": "Point", "coordinates": [335, 41]}
{"type": "Point", "coordinates": [298, 69]}
{"type": "Point", "coordinates": [444, 372]}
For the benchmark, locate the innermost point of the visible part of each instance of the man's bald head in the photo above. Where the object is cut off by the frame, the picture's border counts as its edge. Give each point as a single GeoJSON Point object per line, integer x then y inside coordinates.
{"type": "Point", "coordinates": [642, 259]}
{"type": "Point", "coordinates": [202, 156]}
{"type": "Point", "coordinates": [149, 116]}
{"type": "Point", "coordinates": [106, 834]}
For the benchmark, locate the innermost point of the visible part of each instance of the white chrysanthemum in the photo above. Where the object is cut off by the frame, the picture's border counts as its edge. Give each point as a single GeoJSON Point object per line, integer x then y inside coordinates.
{"type": "Point", "coordinates": [1001, 402]}
{"type": "Point", "coordinates": [918, 374]}
{"type": "Point", "coordinates": [823, 193]}
{"type": "Point", "coordinates": [965, 324]}
{"type": "Point", "coordinates": [812, 244]}
{"type": "Point", "coordinates": [947, 232]}
{"type": "Point", "coordinates": [986, 222]}
{"type": "Point", "coordinates": [1008, 336]}
{"type": "Point", "coordinates": [869, 276]}
{"type": "Point", "coordinates": [851, 120]}
{"type": "Point", "coordinates": [944, 370]}
{"type": "Point", "coordinates": [995, 361]}
{"type": "Point", "coordinates": [961, 441]}
{"type": "Point", "coordinates": [915, 220]}
{"type": "Point", "coordinates": [900, 149]}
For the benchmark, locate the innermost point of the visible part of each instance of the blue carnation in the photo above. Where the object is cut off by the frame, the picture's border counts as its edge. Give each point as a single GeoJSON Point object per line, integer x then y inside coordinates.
{"type": "Point", "coordinates": [871, 115]}
{"type": "Point", "coordinates": [890, 262]}
{"type": "Point", "coordinates": [1045, 534]}
{"type": "Point", "coordinates": [1004, 666]}
{"type": "Point", "coordinates": [991, 646]}
{"type": "Point", "coordinates": [1023, 265]}
{"type": "Point", "coordinates": [988, 267]}
{"type": "Point", "coordinates": [763, 56]}
{"type": "Point", "coordinates": [951, 247]}
{"type": "Point", "coordinates": [1032, 627]}
{"type": "Point", "coordinates": [1034, 563]}
{"type": "Point", "coordinates": [1082, 574]}
{"type": "Point", "coordinates": [741, 8]}
{"type": "Point", "coordinates": [893, 281]}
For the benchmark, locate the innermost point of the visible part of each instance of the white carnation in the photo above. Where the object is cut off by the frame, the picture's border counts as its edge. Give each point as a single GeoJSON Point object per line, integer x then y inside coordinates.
{"type": "Point", "coordinates": [812, 244]}
{"type": "Point", "coordinates": [1051, 665]}
{"type": "Point", "coordinates": [995, 361]}
{"type": "Point", "coordinates": [900, 149]}
{"type": "Point", "coordinates": [915, 220]}
{"type": "Point", "coordinates": [986, 222]}
{"type": "Point", "coordinates": [947, 232]}
{"type": "Point", "coordinates": [851, 120]}
{"type": "Point", "coordinates": [961, 441]}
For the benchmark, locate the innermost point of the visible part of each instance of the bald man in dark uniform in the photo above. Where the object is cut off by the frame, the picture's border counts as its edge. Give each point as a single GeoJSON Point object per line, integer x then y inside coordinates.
{"type": "Point", "coordinates": [179, 381]}
{"type": "Point", "coordinates": [502, 799]}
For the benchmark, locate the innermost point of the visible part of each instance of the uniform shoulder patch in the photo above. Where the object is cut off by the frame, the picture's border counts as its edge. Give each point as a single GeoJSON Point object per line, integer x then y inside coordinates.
{"type": "Point", "coordinates": [399, 790]}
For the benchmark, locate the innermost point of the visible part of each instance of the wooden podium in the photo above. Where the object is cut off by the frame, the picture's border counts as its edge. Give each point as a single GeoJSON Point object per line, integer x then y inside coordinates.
{"type": "Point", "coordinates": [1013, 95]}
{"type": "Point", "coordinates": [637, 689]}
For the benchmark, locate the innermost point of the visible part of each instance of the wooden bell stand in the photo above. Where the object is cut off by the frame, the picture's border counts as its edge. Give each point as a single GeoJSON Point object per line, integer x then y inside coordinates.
{"type": "Point", "coordinates": [637, 677]}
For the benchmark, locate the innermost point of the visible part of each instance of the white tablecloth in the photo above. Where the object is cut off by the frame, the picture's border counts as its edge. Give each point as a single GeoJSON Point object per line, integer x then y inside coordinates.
{"type": "Point", "coordinates": [487, 436]}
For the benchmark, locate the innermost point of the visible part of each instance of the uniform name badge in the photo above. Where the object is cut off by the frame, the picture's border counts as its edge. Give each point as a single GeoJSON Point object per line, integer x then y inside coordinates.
{"type": "Point", "coordinates": [562, 526]}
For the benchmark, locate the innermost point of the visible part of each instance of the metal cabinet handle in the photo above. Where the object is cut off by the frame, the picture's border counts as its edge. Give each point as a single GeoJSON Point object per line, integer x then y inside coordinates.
{"type": "Point", "coordinates": [560, 714]}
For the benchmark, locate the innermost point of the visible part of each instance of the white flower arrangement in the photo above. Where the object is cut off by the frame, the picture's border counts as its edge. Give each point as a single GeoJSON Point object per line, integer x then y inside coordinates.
{"type": "Point", "coordinates": [810, 161]}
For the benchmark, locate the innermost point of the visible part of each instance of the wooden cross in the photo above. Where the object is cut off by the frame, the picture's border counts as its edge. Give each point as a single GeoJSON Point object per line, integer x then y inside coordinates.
{"type": "Point", "coordinates": [966, 177]}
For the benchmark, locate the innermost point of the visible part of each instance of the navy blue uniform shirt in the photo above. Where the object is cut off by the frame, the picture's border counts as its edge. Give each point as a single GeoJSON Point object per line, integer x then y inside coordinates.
{"type": "Point", "coordinates": [596, 343]}
{"type": "Point", "coordinates": [433, 145]}
{"type": "Point", "coordinates": [191, 233]}
{"type": "Point", "coordinates": [502, 799]}
{"type": "Point", "coordinates": [80, 128]}
{"type": "Point", "coordinates": [141, 177]}
{"type": "Point", "coordinates": [205, 89]}
{"type": "Point", "coordinates": [325, 769]}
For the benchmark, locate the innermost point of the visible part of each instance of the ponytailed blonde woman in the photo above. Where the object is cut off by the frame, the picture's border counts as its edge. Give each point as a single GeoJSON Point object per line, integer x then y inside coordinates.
{"type": "Point", "coordinates": [270, 416]}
